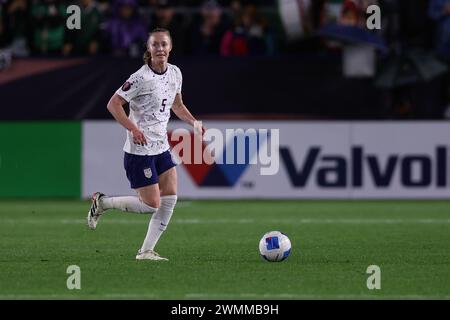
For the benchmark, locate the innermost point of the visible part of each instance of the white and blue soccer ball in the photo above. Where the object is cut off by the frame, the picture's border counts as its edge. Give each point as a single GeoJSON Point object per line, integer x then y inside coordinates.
{"type": "Point", "coordinates": [275, 246]}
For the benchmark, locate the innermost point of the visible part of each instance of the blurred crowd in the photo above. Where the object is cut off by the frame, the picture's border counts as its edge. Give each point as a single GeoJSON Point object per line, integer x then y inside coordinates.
{"type": "Point", "coordinates": [211, 27]}
{"type": "Point", "coordinates": [229, 27]}
{"type": "Point", "coordinates": [120, 27]}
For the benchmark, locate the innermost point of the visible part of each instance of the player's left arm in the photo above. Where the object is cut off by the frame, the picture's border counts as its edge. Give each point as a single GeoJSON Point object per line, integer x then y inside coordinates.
{"type": "Point", "coordinates": [182, 112]}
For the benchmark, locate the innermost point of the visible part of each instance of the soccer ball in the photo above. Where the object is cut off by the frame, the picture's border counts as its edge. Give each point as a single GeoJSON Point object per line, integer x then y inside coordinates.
{"type": "Point", "coordinates": [275, 246]}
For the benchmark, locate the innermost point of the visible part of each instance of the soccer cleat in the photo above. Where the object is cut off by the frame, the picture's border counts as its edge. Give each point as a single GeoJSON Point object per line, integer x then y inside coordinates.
{"type": "Point", "coordinates": [149, 255]}
{"type": "Point", "coordinates": [96, 210]}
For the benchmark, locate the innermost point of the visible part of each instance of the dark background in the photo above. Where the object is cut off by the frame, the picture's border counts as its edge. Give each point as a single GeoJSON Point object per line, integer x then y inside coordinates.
{"type": "Point", "coordinates": [273, 77]}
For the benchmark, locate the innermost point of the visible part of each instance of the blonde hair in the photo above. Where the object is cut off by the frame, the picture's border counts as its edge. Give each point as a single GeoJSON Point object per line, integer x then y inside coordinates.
{"type": "Point", "coordinates": [147, 56]}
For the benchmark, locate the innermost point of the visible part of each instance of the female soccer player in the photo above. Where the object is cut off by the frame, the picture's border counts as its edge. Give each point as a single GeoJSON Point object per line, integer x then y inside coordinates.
{"type": "Point", "coordinates": [152, 92]}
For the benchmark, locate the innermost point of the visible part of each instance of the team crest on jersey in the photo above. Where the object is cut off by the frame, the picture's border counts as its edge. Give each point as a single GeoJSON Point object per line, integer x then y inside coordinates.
{"type": "Point", "coordinates": [148, 173]}
{"type": "Point", "coordinates": [126, 86]}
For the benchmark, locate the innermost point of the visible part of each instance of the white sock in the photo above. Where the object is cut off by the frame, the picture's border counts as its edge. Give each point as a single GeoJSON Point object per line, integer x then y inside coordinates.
{"type": "Point", "coordinates": [127, 204]}
{"type": "Point", "coordinates": [159, 221]}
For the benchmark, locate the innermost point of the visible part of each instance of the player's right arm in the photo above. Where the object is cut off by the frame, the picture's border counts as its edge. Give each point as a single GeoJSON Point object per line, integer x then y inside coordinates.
{"type": "Point", "coordinates": [115, 106]}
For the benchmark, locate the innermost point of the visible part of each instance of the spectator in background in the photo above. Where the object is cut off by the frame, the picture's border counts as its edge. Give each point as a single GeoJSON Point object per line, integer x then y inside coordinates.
{"type": "Point", "coordinates": [207, 34]}
{"type": "Point", "coordinates": [86, 40]}
{"type": "Point", "coordinates": [16, 26]}
{"type": "Point", "coordinates": [104, 7]}
{"type": "Point", "coordinates": [354, 12]}
{"type": "Point", "coordinates": [297, 22]}
{"type": "Point", "coordinates": [125, 30]}
{"type": "Point", "coordinates": [439, 11]}
{"type": "Point", "coordinates": [350, 13]}
{"type": "Point", "coordinates": [165, 17]}
{"type": "Point", "coordinates": [49, 23]}
{"type": "Point", "coordinates": [249, 36]}
{"type": "Point", "coordinates": [235, 40]}
{"type": "Point", "coordinates": [235, 9]}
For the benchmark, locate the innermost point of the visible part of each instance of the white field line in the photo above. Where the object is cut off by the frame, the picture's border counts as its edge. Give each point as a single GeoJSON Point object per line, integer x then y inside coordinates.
{"type": "Point", "coordinates": [217, 296]}
{"type": "Point", "coordinates": [306, 296]}
{"type": "Point", "coordinates": [76, 295]}
{"type": "Point", "coordinates": [233, 221]}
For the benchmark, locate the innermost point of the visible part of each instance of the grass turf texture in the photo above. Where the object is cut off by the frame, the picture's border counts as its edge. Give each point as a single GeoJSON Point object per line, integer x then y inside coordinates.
{"type": "Point", "coordinates": [213, 251]}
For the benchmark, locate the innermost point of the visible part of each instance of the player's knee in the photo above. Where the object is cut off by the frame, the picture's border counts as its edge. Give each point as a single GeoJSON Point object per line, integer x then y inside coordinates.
{"type": "Point", "coordinates": [152, 202]}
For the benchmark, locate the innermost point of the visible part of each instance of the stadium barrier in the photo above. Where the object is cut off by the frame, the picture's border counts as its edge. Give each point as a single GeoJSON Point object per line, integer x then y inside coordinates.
{"type": "Point", "coordinates": [343, 160]}
{"type": "Point", "coordinates": [81, 88]}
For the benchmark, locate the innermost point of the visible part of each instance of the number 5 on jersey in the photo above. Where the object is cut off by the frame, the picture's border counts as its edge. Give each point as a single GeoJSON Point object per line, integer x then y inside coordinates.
{"type": "Point", "coordinates": [163, 105]}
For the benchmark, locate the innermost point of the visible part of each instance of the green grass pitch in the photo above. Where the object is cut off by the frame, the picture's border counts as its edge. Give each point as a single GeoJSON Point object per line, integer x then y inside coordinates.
{"type": "Point", "coordinates": [213, 251]}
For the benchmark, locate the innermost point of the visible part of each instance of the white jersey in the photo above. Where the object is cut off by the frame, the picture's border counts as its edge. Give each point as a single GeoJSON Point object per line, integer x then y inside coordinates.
{"type": "Point", "coordinates": [151, 95]}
